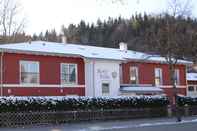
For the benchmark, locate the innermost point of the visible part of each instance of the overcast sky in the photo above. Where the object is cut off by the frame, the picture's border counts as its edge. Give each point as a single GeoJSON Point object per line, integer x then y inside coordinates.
{"type": "Point", "coordinates": [48, 14]}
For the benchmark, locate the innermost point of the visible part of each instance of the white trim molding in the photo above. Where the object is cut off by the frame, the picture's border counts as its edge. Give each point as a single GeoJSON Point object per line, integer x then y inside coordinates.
{"type": "Point", "coordinates": [43, 85]}
{"type": "Point", "coordinates": [192, 85]}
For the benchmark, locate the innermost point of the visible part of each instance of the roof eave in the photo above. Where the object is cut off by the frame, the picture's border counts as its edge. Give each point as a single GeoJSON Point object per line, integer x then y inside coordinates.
{"type": "Point", "coordinates": [38, 53]}
{"type": "Point", "coordinates": [152, 61]}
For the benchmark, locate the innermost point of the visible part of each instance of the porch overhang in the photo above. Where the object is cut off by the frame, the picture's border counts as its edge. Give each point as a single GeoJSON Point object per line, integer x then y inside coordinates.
{"type": "Point", "coordinates": [141, 89]}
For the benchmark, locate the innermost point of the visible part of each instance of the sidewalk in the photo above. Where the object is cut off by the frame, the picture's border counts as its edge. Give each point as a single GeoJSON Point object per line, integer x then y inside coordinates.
{"type": "Point", "coordinates": [104, 125]}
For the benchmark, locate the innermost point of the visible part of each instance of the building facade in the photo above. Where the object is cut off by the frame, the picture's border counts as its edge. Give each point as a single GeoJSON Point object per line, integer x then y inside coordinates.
{"type": "Point", "coordinates": [36, 75]}
{"type": "Point", "coordinates": [192, 84]}
{"type": "Point", "coordinates": [156, 75]}
{"type": "Point", "coordinates": [58, 69]}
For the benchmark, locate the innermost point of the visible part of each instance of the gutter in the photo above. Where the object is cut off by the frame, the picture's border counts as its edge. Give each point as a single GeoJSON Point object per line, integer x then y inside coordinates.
{"type": "Point", "coordinates": [40, 53]}
{"type": "Point", "coordinates": [186, 81]}
{"type": "Point", "coordinates": [156, 62]}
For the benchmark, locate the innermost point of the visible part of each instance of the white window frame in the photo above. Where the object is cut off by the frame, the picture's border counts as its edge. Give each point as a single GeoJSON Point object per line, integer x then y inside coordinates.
{"type": "Point", "coordinates": [161, 76]}
{"type": "Point", "coordinates": [137, 74]}
{"type": "Point", "coordinates": [194, 89]}
{"type": "Point", "coordinates": [76, 74]}
{"type": "Point", "coordinates": [177, 73]}
{"type": "Point", "coordinates": [29, 61]}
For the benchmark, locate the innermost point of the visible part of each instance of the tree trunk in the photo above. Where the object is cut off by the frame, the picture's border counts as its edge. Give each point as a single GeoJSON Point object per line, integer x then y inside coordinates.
{"type": "Point", "coordinates": [175, 98]}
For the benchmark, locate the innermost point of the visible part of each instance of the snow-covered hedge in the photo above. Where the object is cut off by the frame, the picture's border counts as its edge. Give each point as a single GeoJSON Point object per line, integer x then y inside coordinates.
{"type": "Point", "coordinates": [184, 100]}
{"type": "Point", "coordinates": [15, 104]}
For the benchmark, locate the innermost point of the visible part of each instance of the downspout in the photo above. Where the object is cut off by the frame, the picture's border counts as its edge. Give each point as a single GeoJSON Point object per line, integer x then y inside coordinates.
{"type": "Point", "coordinates": [1, 70]}
{"type": "Point", "coordinates": [186, 81]}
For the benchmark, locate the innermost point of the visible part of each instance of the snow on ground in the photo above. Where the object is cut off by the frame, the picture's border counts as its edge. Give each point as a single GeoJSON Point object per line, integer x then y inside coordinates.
{"type": "Point", "coordinates": [99, 128]}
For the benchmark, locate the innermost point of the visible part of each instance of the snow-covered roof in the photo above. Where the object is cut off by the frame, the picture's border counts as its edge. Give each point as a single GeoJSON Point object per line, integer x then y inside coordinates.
{"type": "Point", "coordinates": [192, 76]}
{"type": "Point", "coordinates": [141, 89]}
{"type": "Point", "coordinates": [54, 48]}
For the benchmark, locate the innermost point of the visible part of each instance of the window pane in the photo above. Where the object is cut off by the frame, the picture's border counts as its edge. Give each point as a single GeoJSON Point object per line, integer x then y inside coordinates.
{"type": "Point", "coordinates": [134, 75]}
{"type": "Point", "coordinates": [29, 78]}
{"type": "Point", "coordinates": [64, 73]}
{"type": "Point", "coordinates": [65, 78]}
{"type": "Point", "coordinates": [65, 69]}
{"type": "Point", "coordinates": [157, 81]}
{"type": "Point", "coordinates": [29, 72]}
{"type": "Point", "coordinates": [72, 75]}
{"type": "Point", "coordinates": [158, 76]}
{"type": "Point", "coordinates": [33, 67]}
{"type": "Point", "coordinates": [24, 67]}
{"type": "Point", "coordinates": [33, 78]}
{"type": "Point", "coordinates": [191, 88]}
{"type": "Point", "coordinates": [23, 77]}
{"type": "Point", "coordinates": [157, 73]}
{"type": "Point", "coordinates": [176, 76]}
{"type": "Point", "coordinates": [68, 73]}
{"type": "Point", "coordinates": [105, 88]}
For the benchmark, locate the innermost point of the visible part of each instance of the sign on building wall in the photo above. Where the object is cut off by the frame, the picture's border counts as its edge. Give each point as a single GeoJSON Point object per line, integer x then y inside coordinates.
{"type": "Point", "coordinates": [103, 74]}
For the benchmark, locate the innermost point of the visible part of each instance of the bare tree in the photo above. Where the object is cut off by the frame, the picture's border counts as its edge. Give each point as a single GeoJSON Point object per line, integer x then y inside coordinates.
{"type": "Point", "coordinates": [181, 8]}
{"type": "Point", "coordinates": [170, 42]}
{"type": "Point", "coordinates": [11, 20]}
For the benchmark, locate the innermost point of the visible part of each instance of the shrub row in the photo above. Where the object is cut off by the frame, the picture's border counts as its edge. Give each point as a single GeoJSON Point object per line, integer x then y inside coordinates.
{"type": "Point", "coordinates": [16, 104]}
{"type": "Point", "coordinates": [184, 100]}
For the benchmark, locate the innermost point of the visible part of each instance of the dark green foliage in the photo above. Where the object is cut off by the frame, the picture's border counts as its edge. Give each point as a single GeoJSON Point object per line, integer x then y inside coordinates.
{"type": "Point", "coordinates": [190, 101]}
{"type": "Point", "coordinates": [138, 31]}
{"type": "Point", "coordinates": [20, 104]}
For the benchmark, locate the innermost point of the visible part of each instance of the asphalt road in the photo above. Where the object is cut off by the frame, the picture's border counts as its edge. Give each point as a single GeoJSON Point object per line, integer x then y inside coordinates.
{"type": "Point", "coordinates": [156, 124]}
{"type": "Point", "coordinates": [173, 127]}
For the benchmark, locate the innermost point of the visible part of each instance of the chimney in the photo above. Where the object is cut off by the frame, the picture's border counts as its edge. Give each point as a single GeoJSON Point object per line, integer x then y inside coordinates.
{"type": "Point", "coordinates": [123, 46]}
{"type": "Point", "coordinates": [64, 39]}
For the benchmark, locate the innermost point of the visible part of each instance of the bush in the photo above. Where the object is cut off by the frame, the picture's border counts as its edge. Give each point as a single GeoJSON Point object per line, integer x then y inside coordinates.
{"type": "Point", "coordinates": [184, 100]}
{"type": "Point", "coordinates": [59, 103]}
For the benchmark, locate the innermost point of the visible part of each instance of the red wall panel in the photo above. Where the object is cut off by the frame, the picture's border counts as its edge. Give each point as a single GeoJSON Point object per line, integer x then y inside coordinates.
{"type": "Point", "coordinates": [43, 91]}
{"type": "Point", "coordinates": [49, 74]}
{"type": "Point", "coordinates": [169, 92]}
{"type": "Point", "coordinates": [146, 73]}
{"type": "Point", "coordinates": [49, 67]}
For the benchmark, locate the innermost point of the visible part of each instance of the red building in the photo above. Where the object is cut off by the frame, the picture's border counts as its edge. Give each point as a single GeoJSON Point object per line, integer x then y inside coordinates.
{"type": "Point", "coordinates": [57, 69]}
{"type": "Point", "coordinates": [192, 84]}
{"type": "Point", "coordinates": [152, 74]}
{"type": "Point", "coordinates": [45, 71]}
